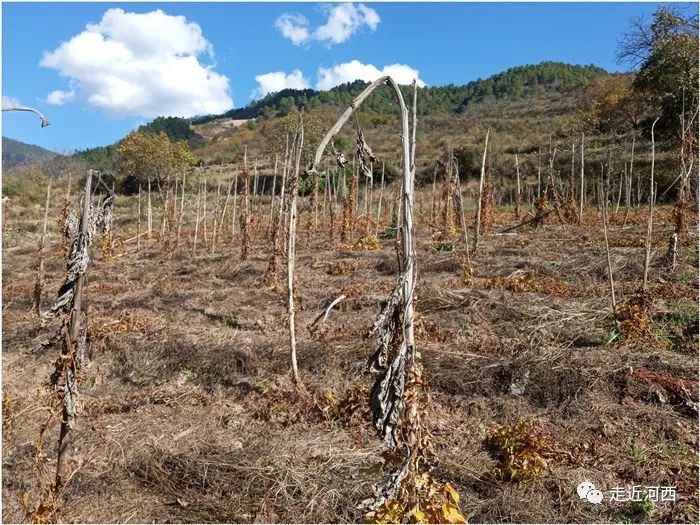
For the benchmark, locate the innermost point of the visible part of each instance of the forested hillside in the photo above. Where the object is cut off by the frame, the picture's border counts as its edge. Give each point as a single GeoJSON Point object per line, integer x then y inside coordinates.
{"type": "Point", "coordinates": [515, 83]}
{"type": "Point", "coordinates": [16, 153]}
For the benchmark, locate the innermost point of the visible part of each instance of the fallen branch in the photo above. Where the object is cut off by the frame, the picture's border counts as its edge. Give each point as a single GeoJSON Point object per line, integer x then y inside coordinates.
{"type": "Point", "coordinates": [525, 223]}
{"type": "Point", "coordinates": [322, 317]}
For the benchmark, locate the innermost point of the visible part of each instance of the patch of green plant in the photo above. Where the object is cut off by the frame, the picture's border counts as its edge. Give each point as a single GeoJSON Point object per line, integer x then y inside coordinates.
{"type": "Point", "coordinates": [187, 373]}
{"type": "Point", "coordinates": [231, 322]}
{"type": "Point", "coordinates": [670, 326]}
{"type": "Point", "coordinates": [444, 247]}
{"type": "Point", "coordinates": [687, 277]}
{"type": "Point", "coordinates": [636, 511]}
{"type": "Point", "coordinates": [613, 336]}
{"type": "Point", "coordinates": [681, 314]}
{"type": "Point", "coordinates": [637, 452]}
{"type": "Point", "coordinates": [389, 233]}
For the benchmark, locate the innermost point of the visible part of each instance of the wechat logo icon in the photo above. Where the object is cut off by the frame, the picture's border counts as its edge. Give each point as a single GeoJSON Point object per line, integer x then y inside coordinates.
{"type": "Point", "coordinates": [586, 490]}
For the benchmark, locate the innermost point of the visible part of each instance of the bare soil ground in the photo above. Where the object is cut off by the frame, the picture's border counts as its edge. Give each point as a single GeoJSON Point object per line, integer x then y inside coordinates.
{"type": "Point", "coordinates": [189, 414]}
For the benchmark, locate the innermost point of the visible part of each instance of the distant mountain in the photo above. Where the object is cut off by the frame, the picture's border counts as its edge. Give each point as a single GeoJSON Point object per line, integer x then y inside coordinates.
{"type": "Point", "coordinates": [514, 83]}
{"type": "Point", "coordinates": [523, 101]}
{"type": "Point", "coordinates": [16, 153]}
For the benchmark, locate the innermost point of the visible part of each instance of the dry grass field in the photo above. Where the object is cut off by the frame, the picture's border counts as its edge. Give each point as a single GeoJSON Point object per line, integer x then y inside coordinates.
{"type": "Point", "coordinates": [189, 413]}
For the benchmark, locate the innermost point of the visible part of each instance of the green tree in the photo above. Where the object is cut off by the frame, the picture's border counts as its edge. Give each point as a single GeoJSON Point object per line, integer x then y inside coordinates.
{"type": "Point", "coordinates": [666, 52]}
{"type": "Point", "coordinates": [607, 104]}
{"type": "Point", "coordinates": [175, 128]}
{"type": "Point", "coordinates": [151, 156]}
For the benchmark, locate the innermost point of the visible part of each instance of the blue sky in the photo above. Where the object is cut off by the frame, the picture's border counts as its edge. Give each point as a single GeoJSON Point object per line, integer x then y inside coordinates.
{"type": "Point", "coordinates": [97, 98]}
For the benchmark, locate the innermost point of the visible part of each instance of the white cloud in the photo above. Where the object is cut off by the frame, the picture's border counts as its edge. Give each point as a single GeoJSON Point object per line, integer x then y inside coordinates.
{"type": "Point", "coordinates": [10, 101]}
{"type": "Point", "coordinates": [343, 20]}
{"type": "Point", "coordinates": [279, 80]}
{"type": "Point", "coordinates": [59, 97]}
{"type": "Point", "coordinates": [142, 65]}
{"type": "Point", "coordinates": [294, 27]}
{"type": "Point", "coordinates": [356, 70]}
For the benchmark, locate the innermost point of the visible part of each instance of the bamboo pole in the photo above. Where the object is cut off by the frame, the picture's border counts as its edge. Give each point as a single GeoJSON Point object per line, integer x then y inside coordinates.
{"type": "Point", "coordinates": [196, 224]}
{"type": "Point", "coordinates": [291, 251]}
{"type": "Point", "coordinates": [205, 190]}
{"type": "Point", "coordinates": [272, 198]}
{"type": "Point", "coordinates": [652, 195]}
{"type": "Point", "coordinates": [379, 205]}
{"type": "Point", "coordinates": [138, 223]}
{"type": "Point", "coordinates": [222, 219]}
{"type": "Point", "coordinates": [149, 213]}
{"type": "Point", "coordinates": [245, 216]}
{"type": "Point", "coordinates": [235, 204]}
{"type": "Point", "coordinates": [39, 286]}
{"type": "Point", "coordinates": [582, 190]}
{"type": "Point", "coordinates": [613, 303]}
{"type": "Point", "coordinates": [432, 200]}
{"type": "Point", "coordinates": [518, 199]}
{"type": "Point", "coordinates": [481, 191]}
{"type": "Point", "coordinates": [182, 209]}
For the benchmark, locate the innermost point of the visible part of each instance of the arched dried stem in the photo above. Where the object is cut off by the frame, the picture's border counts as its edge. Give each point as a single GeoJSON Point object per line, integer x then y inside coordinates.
{"type": "Point", "coordinates": [44, 121]}
{"type": "Point", "coordinates": [291, 248]}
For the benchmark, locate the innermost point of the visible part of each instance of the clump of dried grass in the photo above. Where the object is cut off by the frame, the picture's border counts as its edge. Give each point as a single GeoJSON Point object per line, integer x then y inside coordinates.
{"type": "Point", "coordinates": [569, 211]}
{"type": "Point", "coordinates": [129, 322]}
{"type": "Point", "coordinates": [520, 449]}
{"type": "Point", "coordinates": [349, 407]}
{"type": "Point", "coordinates": [633, 316]}
{"type": "Point", "coordinates": [290, 478]}
{"type": "Point", "coordinates": [521, 281]}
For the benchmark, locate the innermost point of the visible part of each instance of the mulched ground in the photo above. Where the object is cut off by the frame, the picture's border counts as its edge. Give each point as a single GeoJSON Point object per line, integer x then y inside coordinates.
{"type": "Point", "coordinates": [189, 414]}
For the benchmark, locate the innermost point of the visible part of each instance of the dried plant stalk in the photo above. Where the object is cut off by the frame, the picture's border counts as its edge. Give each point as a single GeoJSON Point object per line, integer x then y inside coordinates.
{"type": "Point", "coordinates": [39, 285]}
{"type": "Point", "coordinates": [71, 305]}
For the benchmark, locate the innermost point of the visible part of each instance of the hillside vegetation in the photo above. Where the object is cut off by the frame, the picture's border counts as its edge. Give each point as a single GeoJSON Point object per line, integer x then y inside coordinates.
{"type": "Point", "coordinates": [515, 83]}
{"type": "Point", "coordinates": [16, 153]}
